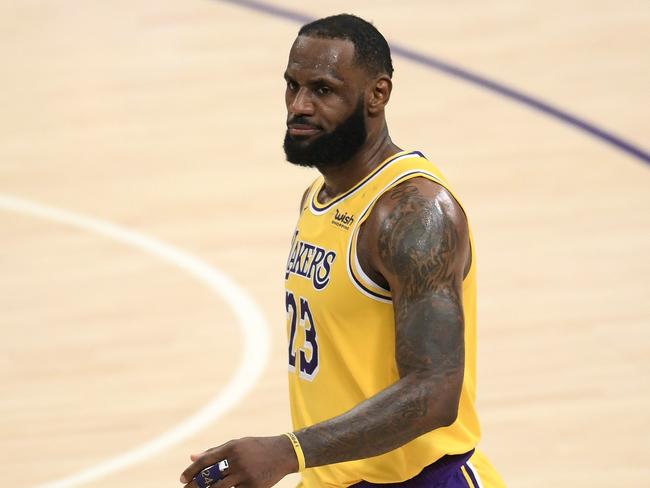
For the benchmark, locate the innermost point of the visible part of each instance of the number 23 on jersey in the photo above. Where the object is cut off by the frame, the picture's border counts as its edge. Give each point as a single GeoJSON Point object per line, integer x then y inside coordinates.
{"type": "Point", "coordinates": [300, 318]}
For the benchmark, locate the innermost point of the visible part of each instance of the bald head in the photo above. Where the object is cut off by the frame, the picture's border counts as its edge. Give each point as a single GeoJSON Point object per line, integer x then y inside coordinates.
{"type": "Point", "coordinates": [371, 50]}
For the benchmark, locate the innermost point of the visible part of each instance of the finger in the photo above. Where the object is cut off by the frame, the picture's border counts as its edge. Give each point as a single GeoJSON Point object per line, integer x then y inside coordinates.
{"type": "Point", "coordinates": [196, 455]}
{"type": "Point", "coordinates": [200, 461]}
{"type": "Point", "coordinates": [209, 457]}
{"type": "Point", "coordinates": [211, 474]}
{"type": "Point", "coordinates": [229, 482]}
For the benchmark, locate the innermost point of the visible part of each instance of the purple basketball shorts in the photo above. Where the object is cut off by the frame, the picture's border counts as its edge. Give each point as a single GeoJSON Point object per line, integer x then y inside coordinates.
{"type": "Point", "coordinates": [446, 472]}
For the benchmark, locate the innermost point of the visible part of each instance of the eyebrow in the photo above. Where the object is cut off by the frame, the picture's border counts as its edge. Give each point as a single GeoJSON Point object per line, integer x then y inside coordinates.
{"type": "Point", "coordinates": [334, 75]}
{"type": "Point", "coordinates": [319, 79]}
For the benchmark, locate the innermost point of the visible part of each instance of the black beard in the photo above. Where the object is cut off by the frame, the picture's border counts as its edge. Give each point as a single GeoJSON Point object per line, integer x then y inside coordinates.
{"type": "Point", "coordinates": [329, 149]}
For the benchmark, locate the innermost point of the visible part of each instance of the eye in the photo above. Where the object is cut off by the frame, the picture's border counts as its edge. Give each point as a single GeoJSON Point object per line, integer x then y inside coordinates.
{"type": "Point", "coordinates": [291, 85]}
{"type": "Point", "coordinates": [323, 90]}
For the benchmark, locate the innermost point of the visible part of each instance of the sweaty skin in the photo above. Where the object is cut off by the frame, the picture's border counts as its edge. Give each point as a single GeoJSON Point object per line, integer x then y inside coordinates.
{"type": "Point", "coordinates": [416, 242]}
{"type": "Point", "coordinates": [324, 85]}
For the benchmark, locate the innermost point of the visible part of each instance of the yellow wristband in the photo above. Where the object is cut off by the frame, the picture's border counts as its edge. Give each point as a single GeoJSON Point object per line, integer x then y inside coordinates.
{"type": "Point", "coordinates": [298, 448]}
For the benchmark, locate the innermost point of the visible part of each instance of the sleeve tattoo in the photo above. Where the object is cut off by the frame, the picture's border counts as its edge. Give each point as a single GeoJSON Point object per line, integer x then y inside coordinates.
{"type": "Point", "coordinates": [422, 252]}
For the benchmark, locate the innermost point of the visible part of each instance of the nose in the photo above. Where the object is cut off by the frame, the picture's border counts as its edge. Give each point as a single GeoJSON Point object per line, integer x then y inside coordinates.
{"type": "Point", "coordinates": [301, 103]}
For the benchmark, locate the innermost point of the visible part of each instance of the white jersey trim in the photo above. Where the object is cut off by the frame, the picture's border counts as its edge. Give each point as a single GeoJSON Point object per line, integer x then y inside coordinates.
{"type": "Point", "coordinates": [330, 205]}
{"type": "Point", "coordinates": [354, 236]}
{"type": "Point", "coordinates": [475, 472]}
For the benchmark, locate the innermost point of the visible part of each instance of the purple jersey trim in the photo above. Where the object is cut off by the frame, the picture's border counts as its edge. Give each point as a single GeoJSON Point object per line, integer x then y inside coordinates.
{"type": "Point", "coordinates": [470, 473]}
{"type": "Point", "coordinates": [317, 207]}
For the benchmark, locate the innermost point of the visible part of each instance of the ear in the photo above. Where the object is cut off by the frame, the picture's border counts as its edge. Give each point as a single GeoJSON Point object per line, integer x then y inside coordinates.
{"type": "Point", "coordinates": [379, 94]}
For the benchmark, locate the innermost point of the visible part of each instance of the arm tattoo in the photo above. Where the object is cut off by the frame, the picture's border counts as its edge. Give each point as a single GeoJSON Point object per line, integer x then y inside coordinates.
{"type": "Point", "coordinates": [420, 244]}
{"type": "Point", "coordinates": [422, 252]}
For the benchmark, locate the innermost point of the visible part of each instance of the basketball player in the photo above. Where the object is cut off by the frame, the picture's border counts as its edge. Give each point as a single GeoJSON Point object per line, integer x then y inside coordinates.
{"type": "Point", "coordinates": [380, 293]}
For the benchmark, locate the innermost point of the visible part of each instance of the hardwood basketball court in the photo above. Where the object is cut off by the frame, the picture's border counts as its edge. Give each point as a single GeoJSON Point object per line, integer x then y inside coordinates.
{"type": "Point", "coordinates": [140, 157]}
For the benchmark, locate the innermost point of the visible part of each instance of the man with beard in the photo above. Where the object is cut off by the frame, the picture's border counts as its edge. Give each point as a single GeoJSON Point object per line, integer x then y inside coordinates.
{"type": "Point", "coordinates": [380, 294]}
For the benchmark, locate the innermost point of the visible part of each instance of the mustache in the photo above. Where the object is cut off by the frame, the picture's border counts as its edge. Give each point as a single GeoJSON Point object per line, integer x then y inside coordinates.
{"type": "Point", "coordinates": [302, 121]}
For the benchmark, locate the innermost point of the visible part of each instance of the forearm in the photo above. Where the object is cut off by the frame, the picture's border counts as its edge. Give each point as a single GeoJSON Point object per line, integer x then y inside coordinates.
{"type": "Point", "coordinates": [422, 248]}
{"type": "Point", "coordinates": [414, 405]}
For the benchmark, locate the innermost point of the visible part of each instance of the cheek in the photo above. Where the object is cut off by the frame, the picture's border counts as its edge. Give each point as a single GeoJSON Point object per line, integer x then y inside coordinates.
{"type": "Point", "coordinates": [288, 97]}
{"type": "Point", "coordinates": [333, 113]}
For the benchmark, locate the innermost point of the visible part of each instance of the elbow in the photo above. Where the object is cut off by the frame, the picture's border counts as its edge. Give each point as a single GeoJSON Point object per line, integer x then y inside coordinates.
{"type": "Point", "coordinates": [448, 405]}
{"type": "Point", "coordinates": [451, 399]}
{"type": "Point", "coordinates": [448, 415]}
{"type": "Point", "coordinates": [438, 402]}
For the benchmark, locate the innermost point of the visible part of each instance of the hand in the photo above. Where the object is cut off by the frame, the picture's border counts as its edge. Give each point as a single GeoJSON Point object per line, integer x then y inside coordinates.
{"type": "Point", "coordinates": [254, 462]}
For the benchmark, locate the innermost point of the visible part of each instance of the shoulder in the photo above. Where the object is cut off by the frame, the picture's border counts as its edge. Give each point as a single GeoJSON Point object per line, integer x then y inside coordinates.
{"type": "Point", "coordinates": [414, 222]}
{"type": "Point", "coordinates": [419, 202]}
{"type": "Point", "coordinates": [304, 200]}
{"type": "Point", "coordinates": [418, 196]}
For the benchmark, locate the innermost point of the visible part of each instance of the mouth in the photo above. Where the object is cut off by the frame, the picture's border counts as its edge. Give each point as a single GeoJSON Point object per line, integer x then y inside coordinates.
{"type": "Point", "coordinates": [302, 130]}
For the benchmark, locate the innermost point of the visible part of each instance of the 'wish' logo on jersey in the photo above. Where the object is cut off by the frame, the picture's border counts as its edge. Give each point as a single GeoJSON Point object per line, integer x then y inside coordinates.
{"type": "Point", "coordinates": [311, 262]}
{"type": "Point", "coordinates": [343, 219]}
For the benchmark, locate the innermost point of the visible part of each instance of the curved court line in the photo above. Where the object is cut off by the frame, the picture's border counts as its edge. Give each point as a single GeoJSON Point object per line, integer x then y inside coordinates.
{"type": "Point", "coordinates": [465, 75]}
{"type": "Point", "coordinates": [251, 319]}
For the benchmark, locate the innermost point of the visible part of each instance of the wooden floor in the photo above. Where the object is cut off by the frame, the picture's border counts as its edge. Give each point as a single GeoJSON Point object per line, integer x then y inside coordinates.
{"type": "Point", "coordinates": [166, 118]}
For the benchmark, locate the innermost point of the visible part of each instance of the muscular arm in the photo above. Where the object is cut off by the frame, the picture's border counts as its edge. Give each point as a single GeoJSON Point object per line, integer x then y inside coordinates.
{"type": "Point", "coordinates": [417, 241]}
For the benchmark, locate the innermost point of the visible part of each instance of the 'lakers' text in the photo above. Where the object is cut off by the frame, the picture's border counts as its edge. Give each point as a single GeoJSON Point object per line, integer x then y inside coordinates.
{"type": "Point", "coordinates": [311, 262]}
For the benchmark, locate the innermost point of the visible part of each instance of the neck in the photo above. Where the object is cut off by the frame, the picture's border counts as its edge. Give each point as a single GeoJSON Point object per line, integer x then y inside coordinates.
{"type": "Point", "coordinates": [341, 178]}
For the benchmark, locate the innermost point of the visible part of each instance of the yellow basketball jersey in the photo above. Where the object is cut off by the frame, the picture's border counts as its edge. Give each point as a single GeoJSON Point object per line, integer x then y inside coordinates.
{"type": "Point", "coordinates": [341, 329]}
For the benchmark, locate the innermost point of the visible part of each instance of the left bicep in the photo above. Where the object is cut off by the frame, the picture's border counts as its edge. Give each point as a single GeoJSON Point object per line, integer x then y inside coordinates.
{"type": "Point", "coordinates": [422, 251]}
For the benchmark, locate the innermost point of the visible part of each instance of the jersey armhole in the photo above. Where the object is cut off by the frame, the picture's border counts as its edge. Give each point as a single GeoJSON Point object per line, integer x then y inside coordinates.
{"type": "Point", "coordinates": [359, 278]}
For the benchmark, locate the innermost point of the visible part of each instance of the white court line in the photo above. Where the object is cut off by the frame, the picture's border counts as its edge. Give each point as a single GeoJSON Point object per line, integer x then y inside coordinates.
{"type": "Point", "coordinates": [254, 326]}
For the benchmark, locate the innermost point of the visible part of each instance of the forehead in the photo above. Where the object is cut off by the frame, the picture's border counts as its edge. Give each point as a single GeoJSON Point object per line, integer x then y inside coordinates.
{"type": "Point", "coordinates": [316, 56]}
